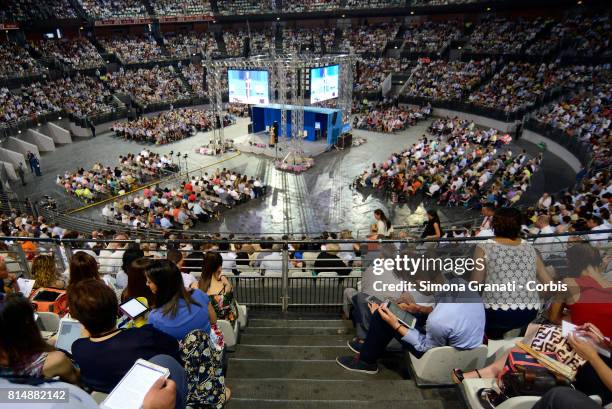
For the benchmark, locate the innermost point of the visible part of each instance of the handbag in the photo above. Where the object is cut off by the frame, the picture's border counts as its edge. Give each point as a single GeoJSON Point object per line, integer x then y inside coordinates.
{"type": "Point", "coordinates": [523, 375]}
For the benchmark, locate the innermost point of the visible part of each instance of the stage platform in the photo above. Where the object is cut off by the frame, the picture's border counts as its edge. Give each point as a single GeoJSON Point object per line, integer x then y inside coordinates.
{"type": "Point", "coordinates": [258, 143]}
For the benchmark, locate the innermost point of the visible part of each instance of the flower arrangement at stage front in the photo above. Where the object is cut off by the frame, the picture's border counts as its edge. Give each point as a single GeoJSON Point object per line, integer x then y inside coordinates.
{"type": "Point", "coordinates": [303, 166]}
{"type": "Point", "coordinates": [210, 148]}
{"type": "Point", "coordinates": [359, 141]}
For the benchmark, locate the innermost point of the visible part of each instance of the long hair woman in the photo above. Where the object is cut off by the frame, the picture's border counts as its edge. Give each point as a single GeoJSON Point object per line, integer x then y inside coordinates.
{"type": "Point", "coordinates": [23, 352]}
{"type": "Point", "coordinates": [187, 316]}
{"type": "Point", "coordinates": [82, 267]}
{"type": "Point", "coordinates": [218, 288]}
{"type": "Point", "coordinates": [383, 224]}
{"type": "Point", "coordinates": [432, 228]}
{"type": "Point", "coordinates": [45, 272]}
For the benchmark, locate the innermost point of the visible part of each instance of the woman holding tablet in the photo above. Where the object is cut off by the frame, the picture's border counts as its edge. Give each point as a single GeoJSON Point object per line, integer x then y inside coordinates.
{"type": "Point", "coordinates": [187, 316]}
{"type": "Point", "coordinates": [23, 352]}
{"type": "Point", "coordinates": [108, 353]}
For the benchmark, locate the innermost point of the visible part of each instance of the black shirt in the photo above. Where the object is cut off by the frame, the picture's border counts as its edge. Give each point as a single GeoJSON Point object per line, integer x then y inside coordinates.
{"type": "Point", "coordinates": [331, 263]}
{"type": "Point", "coordinates": [104, 363]}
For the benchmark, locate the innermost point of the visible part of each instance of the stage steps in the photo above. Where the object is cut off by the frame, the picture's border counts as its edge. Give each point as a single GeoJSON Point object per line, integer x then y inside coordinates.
{"type": "Point", "coordinates": [290, 363]}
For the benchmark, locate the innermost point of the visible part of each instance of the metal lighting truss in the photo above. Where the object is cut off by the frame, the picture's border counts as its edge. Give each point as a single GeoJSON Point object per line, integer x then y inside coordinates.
{"type": "Point", "coordinates": [282, 67]}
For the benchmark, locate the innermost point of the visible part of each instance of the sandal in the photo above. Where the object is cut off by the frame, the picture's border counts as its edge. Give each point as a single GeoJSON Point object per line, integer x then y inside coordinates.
{"type": "Point", "coordinates": [457, 375]}
{"type": "Point", "coordinates": [489, 398]}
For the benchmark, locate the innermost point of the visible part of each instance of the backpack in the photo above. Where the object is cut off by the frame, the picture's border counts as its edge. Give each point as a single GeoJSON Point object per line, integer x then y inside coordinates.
{"type": "Point", "coordinates": [48, 299]}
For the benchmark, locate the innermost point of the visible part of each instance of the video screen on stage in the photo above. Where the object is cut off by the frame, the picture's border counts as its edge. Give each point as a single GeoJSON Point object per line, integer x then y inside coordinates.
{"type": "Point", "coordinates": [248, 86]}
{"type": "Point", "coordinates": [323, 83]}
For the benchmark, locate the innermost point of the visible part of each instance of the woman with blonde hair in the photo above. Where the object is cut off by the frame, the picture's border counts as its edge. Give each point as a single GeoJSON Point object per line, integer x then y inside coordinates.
{"type": "Point", "coordinates": [45, 273]}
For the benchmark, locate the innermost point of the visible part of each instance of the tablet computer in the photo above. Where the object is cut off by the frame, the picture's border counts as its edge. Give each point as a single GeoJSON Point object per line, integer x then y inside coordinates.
{"type": "Point", "coordinates": [133, 308]}
{"type": "Point", "coordinates": [374, 300]}
{"type": "Point", "coordinates": [404, 317]}
{"type": "Point", "coordinates": [132, 388]}
{"type": "Point", "coordinates": [69, 331]}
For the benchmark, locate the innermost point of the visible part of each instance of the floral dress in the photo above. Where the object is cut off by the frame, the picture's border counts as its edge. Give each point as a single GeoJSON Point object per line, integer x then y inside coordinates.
{"type": "Point", "coordinates": [225, 305]}
{"type": "Point", "coordinates": [203, 370]}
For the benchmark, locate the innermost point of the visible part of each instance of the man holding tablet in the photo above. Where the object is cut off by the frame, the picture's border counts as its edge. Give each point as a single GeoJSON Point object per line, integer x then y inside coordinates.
{"type": "Point", "coordinates": [455, 321]}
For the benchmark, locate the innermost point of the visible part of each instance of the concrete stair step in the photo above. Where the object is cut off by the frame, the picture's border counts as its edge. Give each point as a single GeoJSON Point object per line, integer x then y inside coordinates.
{"type": "Point", "coordinates": [298, 331]}
{"type": "Point", "coordinates": [304, 340]}
{"type": "Point", "coordinates": [289, 352]}
{"type": "Point", "coordinates": [324, 390]}
{"type": "Point", "coordinates": [256, 322]}
{"type": "Point", "coordinates": [316, 404]}
{"type": "Point", "coordinates": [300, 370]}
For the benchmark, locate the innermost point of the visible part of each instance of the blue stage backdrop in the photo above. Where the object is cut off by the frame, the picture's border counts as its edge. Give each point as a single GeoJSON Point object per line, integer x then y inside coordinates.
{"type": "Point", "coordinates": [328, 121]}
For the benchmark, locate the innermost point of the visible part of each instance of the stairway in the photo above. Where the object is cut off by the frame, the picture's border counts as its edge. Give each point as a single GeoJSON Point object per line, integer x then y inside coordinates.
{"type": "Point", "coordinates": [291, 364]}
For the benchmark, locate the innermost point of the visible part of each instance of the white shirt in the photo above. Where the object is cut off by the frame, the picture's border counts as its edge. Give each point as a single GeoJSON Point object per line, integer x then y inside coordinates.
{"type": "Point", "coordinates": [188, 279]}
{"type": "Point", "coordinates": [272, 263]}
{"type": "Point", "coordinates": [229, 261]}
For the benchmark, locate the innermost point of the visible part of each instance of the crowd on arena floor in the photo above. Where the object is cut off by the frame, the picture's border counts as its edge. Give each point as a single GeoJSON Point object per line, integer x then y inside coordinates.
{"type": "Point", "coordinates": [168, 126]}
{"type": "Point", "coordinates": [101, 181]}
{"type": "Point", "coordinates": [158, 84]}
{"type": "Point", "coordinates": [459, 164]}
{"type": "Point", "coordinates": [386, 117]}
{"type": "Point", "coordinates": [447, 80]}
{"type": "Point", "coordinates": [198, 199]}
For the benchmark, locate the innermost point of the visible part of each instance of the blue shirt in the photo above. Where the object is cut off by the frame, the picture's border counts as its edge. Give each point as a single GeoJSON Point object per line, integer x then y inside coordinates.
{"type": "Point", "coordinates": [186, 319]}
{"type": "Point", "coordinates": [459, 325]}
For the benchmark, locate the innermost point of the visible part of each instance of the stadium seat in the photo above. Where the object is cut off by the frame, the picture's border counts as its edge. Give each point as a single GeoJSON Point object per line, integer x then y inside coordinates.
{"type": "Point", "coordinates": [435, 366]}
{"type": "Point", "coordinates": [309, 258]}
{"type": "Point", "coordinates": [498, 347]}
{"type": "Point", "coordinates": [230, 332]}
{"type": "Point", "coordinates": [300, 274]}
{"type": "Point", "coordinates": [327, 274]}
{"type": "Point", "coordinates": [243, 315]}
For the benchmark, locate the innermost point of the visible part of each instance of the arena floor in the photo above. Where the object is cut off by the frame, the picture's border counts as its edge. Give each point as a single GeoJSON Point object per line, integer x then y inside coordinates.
{"type": "Point", "coordinates": [320, 199]}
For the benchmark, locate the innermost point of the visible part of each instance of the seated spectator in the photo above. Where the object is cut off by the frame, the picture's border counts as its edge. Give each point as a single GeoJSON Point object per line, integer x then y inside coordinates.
{"type": "Point", "coordinates": [131, 254]}
{"type": "Point", "coordinates": [23, 352]}
{"type": "Point", "coordinates": [176, 311]}
{"type": "Point", "coordinates": [45, 274]}
{"type": "Point", "coordinates": [590, 293]}
{"type": "Point", "coordinates": [272, 262]}
{"type": "Point", "coordinates": [328, 261]}
{"type": "Point", "coordinates": [187, 317]}
{"type": "Point", "coordinates": [509, 259]}
{"type": "Point", "coordinates": [450, 323]}
{"type": "Point", "coordinates": [176, 257]}
{"type": "Point", "coordinates": [218, 288]}
{"type": "Point", "coordinates": [95, 306]}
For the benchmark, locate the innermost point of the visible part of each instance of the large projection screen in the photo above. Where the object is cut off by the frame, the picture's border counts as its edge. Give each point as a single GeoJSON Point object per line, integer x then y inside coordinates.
{"type": "Point", "coordinates": [323, 83]}
{"type": "Point", "coordinates": [248, 86]}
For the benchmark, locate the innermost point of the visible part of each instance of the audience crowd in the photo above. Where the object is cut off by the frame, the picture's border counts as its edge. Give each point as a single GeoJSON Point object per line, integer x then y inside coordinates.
{"type": "Point", "coordinates": [429, 36]}
{"type": "Point", "coordinates": [459, 165]}
{"type": "Point", "coordinates": [503, 36]}
{"type": "Point", "coordinates": [77, 52]}
{"type": "Point", "coordinates": [22, 63]}
{"type": "Point", "coordinates": [168, 126]}
{"type": "Point", "coordinates": [447, 80]}
{"type": "Point", "coordinates": [149, 86]}
{"type": "Point", "coordinates": [230, 7]}
{"type": "Point", "coordinates": [370, 73]}
{"type": "Point", "coordinates": [101, 181]}
{"type": "Point", "coordinates": [371, 38]}
{"type": "Point", "coordinates": [386, 118]}
{"type": "Point", "coordinates": [109, 9]}
{"type": "Point", "coordinates": [184, 45]}
{"type": "Point", "coordinates": [181, 8]}
{"type": "Point", "coordinates": [521, 85]}
{"type": "Point", "coordinates": [134, 49]}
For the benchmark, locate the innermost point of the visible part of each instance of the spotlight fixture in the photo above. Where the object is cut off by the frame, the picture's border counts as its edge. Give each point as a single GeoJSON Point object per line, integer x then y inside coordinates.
{"type": "Point", "coordinates": [277, 18]}
{"type": "Point", "coordinates": [459, 48]}
{"type": "Point", "coordinates": [488, 8]}
{"type": "Point", "coordinates": [412, 12]}
{"type": "Point", "coordinates": [19, 131]}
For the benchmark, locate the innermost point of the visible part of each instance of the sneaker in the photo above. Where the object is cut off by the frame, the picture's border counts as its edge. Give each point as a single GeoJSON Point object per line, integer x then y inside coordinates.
{"type": "Point", "coordinates": [354, 345]}
{"type": "Point", "coordinates": [353, 363]}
